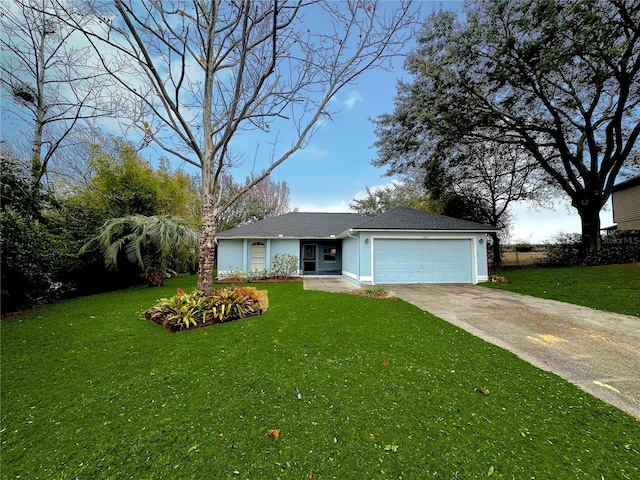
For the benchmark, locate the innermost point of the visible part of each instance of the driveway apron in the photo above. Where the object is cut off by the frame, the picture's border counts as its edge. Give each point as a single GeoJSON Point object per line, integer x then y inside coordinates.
{"type": "Point", "coordinates": [596, 351]}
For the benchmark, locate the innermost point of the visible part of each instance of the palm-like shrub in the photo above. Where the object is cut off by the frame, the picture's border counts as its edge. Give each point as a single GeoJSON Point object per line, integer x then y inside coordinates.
{"type": "Point", "coordinates": [148, 242]}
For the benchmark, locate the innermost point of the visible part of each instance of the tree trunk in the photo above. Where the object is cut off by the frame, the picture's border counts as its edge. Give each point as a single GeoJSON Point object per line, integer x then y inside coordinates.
{"type": "Point", "coordinates": [206, 258]}
{"type": "Point", "coordinates": [590, 221]}
{"type": "Point", "coordinates": [155, 278]}
{"type": "Point", "coordinates": [497, 255]}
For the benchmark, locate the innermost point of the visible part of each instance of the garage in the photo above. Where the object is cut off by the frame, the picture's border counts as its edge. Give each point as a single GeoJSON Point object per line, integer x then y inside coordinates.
{"type": "Point", "coordinates": [422, 261]}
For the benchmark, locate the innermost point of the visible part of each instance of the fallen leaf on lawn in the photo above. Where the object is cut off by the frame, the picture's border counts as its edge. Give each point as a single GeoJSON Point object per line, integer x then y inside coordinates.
{"type": "Point", "coordinates": [273, 433]}
{"type": "Point", "coordinates": [391, 448]}
{"type": "Point", "coordinates": [483, 390]}
{"type": "Point", "coordinates": [385, 363]}
{"type": "Point", "coordinates": [372, 436]}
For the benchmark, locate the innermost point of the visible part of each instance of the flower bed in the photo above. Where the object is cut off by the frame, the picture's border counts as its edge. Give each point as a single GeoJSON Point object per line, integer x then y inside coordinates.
{"type": "Point", "coordinates": [198, 309]}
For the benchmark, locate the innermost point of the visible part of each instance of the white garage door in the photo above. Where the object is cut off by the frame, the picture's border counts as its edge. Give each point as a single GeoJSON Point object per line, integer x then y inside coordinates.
{"type": "Point", "coordinates": [422, 261]}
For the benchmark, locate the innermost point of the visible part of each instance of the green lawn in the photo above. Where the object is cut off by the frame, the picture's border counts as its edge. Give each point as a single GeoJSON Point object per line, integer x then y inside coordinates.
{"type": "Point", "coordinates": [612, 288]}
{"type": "Point", "coordinates": [358, 387]}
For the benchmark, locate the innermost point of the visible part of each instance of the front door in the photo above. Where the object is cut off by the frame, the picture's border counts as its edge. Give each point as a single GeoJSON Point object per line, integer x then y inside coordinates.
{"type": "Point", "coordinates": [323, 257]}
{"type": "Point", "coordinates": [258, 256]}
{"type": "Point", "coordinates": [309, 258]}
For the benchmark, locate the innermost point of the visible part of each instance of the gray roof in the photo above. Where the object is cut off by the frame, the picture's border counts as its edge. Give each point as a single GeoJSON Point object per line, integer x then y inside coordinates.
{"type": "Point", "coordinates": [402, 218]}
{"type": "Point", "coordinates": [335, 225]}
{"type": "Point", "coordinates": [628, 183]}
{"type": "Point", "coordinates": [297, 225]}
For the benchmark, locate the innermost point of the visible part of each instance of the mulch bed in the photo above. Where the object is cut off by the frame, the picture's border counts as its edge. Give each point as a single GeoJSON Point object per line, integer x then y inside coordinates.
{"type": "Point", "coordinates": [175, 327]}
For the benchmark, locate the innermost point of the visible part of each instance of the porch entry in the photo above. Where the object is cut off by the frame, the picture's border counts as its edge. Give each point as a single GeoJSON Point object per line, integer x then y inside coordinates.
{"type": "Point", "coordinates": [321, 257]}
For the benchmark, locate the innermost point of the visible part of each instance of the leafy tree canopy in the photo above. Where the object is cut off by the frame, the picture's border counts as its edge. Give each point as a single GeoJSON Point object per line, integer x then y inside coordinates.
{"type": "Point", "coordinates": [558, 79]}
{"type": "Point", "coordinates": [124, 184]}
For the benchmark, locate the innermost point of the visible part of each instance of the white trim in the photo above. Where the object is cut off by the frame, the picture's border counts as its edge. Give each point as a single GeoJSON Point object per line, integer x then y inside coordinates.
{"type": "Point", "coordinates": [245, 254]}
{"type": "Point", "coordinates": [257, 254]}
{"type": "Point", "coordinates": [474, 261]}
{"type": "Point", "coordinates": [399, 230]}
{"type": "Point", "coordinates": [350, 275]}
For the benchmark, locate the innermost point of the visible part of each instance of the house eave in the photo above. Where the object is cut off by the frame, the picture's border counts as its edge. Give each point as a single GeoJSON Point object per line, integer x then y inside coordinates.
{"type": "Point", "coordinates": [410, 230]}
{"type": "Point", "coordinates": [279, 237]}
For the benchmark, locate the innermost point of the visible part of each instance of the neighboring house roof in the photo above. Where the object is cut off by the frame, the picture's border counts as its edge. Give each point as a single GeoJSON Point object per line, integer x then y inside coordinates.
{"type": "Point", "coordinates": [336, 225]}
{"type": "Point", "coordinates": [402, 218]}
{"type": "Point", "coordinates": [629, 183]}
{"type": "Point", "coordinates": [296, 225]}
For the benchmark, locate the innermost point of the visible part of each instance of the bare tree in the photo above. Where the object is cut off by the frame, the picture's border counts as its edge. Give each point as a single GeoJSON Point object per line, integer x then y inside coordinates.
{"type": "Point", "coordinates": [408, 191]}
{"type": "Point", "coordinates": [265, 199]}
{"type": "Point", "coordinates": [490, 176]}
{"type": "Point", "coordinates": [49, 76]}
{"type": "Point", "coordinates": [207, 72]}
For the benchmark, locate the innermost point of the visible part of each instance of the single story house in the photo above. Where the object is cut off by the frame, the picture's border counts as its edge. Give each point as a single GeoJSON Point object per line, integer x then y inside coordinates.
{"type": "Point", "coordinates": [626, 204]}
{"type": "Point", "coordinates": [402, 245]}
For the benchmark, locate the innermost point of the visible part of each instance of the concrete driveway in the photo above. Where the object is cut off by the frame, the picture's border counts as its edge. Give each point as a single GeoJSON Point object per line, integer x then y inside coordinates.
{"type": "Point", "coordinates": [597, 351]}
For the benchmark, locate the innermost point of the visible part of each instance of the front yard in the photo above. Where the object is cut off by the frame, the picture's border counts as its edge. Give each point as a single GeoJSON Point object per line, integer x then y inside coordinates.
{"type": "Point", "coordinates": [612, 288]}
{"type": "Point", "coordinates": [321, 386]}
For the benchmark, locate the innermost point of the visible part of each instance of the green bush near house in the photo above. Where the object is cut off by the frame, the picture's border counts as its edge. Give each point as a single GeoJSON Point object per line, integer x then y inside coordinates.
{"type": "Point", "coordinates": [355, 388]}
{"type": "Point", "coordinates": [284, 265]}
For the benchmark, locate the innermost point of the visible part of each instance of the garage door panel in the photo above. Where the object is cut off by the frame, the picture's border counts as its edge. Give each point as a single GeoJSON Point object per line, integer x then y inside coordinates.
{"type": "Point", "coordinates": [422, 261]}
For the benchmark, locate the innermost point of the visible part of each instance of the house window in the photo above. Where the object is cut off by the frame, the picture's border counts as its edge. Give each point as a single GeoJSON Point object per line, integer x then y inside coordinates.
{"type": "Point", "coordinates": [309, 252]}
{"type": "Point", "coordinates": [258, 256]}
{"type": "Point", "coordinates": [330, 254]}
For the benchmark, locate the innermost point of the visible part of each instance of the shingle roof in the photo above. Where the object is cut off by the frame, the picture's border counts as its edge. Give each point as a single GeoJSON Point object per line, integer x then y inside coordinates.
{"type": "Point", "coordinates": [297, 225]}
{"type": "Point", "coordinates": [330, 225]}
{"type": "Point", "coordinates": [402, 218]}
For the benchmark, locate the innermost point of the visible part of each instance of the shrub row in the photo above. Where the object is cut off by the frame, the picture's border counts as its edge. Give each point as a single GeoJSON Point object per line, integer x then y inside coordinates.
{"type": "Point", "coordinates": [283, 265]}
{"type": "Point", "coordinates": [568, 251]}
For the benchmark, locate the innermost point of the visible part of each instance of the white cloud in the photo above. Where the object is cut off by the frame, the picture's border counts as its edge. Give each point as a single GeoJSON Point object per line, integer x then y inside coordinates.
{"type": "Point", "coordinates": [349, 100]}
{"type": "Point", "coordinates": [352, 98]}
{"type": "Point", "coordinates": [312, 151]}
